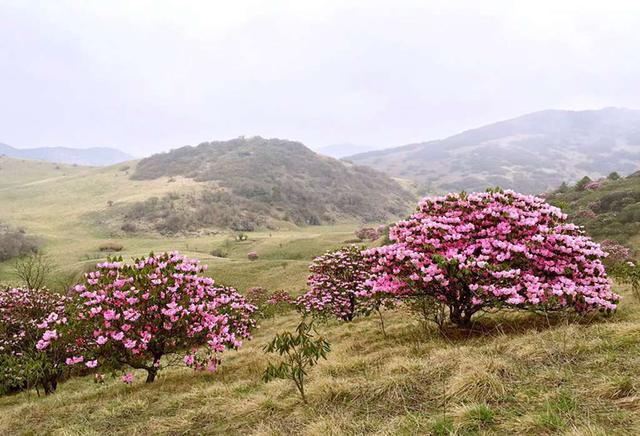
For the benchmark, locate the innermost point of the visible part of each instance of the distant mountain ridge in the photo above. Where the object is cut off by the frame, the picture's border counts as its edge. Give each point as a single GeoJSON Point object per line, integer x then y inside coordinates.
{"type": "Point", "coordinates": [95, 156]}
{"type": "Point", "coordinates": [532, 153]}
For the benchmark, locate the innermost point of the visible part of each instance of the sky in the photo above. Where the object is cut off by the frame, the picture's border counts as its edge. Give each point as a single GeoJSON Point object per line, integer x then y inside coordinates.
{"type": "Point", "coordinates": [148, 76]}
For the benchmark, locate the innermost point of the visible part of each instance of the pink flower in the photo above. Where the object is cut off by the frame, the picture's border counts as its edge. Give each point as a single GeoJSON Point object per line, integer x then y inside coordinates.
{"type": "Point", "coordinates": [128, 378]}
{"type": "Point", "coordinates": [91, 364]}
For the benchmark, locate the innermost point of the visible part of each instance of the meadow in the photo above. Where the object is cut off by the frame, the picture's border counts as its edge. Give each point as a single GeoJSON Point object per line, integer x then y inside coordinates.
{"type": "Point", "coordinates": [512, 373]}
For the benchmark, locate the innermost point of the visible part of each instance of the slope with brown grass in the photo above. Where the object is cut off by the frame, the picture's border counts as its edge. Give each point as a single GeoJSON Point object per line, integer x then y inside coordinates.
{"type": "Point", "coordinates": [513, 374]}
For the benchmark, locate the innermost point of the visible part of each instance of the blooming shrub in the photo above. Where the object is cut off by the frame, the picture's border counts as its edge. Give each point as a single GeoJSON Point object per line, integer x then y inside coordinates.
{"type": "Point", "coordinates": [134, 314]}
{"type": "Point", "coordinates": [491, 250]}
{"type": "Point", "coordinates": [339, 286]}
{"type": "Point", "coordinates": [30, 319]}
{"type": "Point", "coordinates": [616, 253]}
{"type": "Point", "coordinates": [269, 304]}
{"type": "Point", "coordinates": [367, 234]}
{"type": "Point", "coordinates": [252, 255]}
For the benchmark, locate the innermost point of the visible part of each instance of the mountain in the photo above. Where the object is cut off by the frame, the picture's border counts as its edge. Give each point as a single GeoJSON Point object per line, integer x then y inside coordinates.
{"type": "Point", "coordinates": [250, 182]}
{"type": "Point", "coordinates": [96, 156]}
{"type": "Point", "coordinates": [341, 150]}
{"type": "Point", "coordinates": [532, 153]}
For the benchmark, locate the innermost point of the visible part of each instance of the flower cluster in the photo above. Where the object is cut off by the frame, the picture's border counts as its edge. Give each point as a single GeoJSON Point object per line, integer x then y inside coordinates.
{"type": "Point", "coordinates": [616, 253]}
{"type": "Point", "coordinates": [30, 320]}
{"type": "Point", "coordinates": [136, 313]}
{"type": "Point", "coordinates": [339, 286]}
{"type": "Point", "coordinates": [493, 249]}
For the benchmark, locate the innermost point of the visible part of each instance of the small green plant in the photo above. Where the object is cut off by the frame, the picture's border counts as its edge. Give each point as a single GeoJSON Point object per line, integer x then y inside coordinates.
{"type": "Point", "coordinates": [299, 351]}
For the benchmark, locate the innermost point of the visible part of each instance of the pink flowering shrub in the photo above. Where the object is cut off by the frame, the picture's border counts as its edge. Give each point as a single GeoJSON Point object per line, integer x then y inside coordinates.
{"type": "Point", "coordinates": [367, 234]}
{"type": "Point", "coordinates": [593, 185]}
{"type": "Point", "coordinates": [339, 286]}
{"type": "Point", "coordinates": [616, 253]}
{"type": "Point", "coordinates": [269, 304]}
{"type": "Point", "coordinates": [30, 320]}
{"type": "Point", "coordinates": [252, 255]}
{"type": "Point", "coordinates": [134, 314]}
{"type": "Point", "coordinates": [492, 250]}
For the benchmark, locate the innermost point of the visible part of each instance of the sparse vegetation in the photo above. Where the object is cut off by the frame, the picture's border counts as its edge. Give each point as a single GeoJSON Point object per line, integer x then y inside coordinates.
{"type": "Point", "coordinates": [15, 243]}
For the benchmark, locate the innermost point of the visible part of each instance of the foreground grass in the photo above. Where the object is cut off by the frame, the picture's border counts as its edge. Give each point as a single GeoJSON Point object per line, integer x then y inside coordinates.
{"type": "Point", "coordinates": [514, 374]}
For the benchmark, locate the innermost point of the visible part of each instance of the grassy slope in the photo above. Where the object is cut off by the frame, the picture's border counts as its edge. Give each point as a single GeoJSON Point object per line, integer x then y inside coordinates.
{"type": "Point", "coordinates": [53, 202]}
{"type": "Point", "coordinates": [522, 375]}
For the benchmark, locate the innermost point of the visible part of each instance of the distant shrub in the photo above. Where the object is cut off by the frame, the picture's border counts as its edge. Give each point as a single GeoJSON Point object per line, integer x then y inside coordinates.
{"type": "Point", "coordinates": [33, 270]}
{"type": "Point", "coordinates": [613, 176]}
{"type": "Point", "coordinates": [124, 168]}
{"type": "Point", "coordinates": [111, 247]}
{"type": "Point", "coordinates": [593, 185]}
{"type": "Point", "coordinates": [241, 237]}
{"type": "Point", "coordinates": [30, 320]}
{"type": "Point", "coordinates": [252, 255]}
{"type": "Point", "coordinates": [367, 234]}
{"type": "Point", "coordinates": [494, 249]}
{"type": "Point", "coordinates": [582, 183]}
{"type": "Point", "coordinates": [134, 314]}
{"type": "Point", "coordinates": [219, 252]}
{"type": "Point", "coordinates": [129, 227]}
{"type": "Point", "coordinates": [268, 303]}
{"type": "Point", "coordinates": [15, 243]}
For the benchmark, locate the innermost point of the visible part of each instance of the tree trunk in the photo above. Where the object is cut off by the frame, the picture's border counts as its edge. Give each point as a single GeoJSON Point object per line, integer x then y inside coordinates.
{"type": "Point", "coordinates": [151, 374]}
{"type": "Point", "coordinates": [460, 317]}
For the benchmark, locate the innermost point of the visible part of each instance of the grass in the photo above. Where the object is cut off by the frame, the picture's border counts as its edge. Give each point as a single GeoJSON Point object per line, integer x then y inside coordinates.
{"type": "Point", "coordinates": [57, 202]}
{"type": "Point", "coordinates": [514, 374]}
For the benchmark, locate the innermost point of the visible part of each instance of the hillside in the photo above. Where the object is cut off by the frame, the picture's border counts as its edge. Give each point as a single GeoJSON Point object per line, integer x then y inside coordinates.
{"type": "Point", "coordinates": [69, 210]}
{"type": "Point", "coordinates": [532, 153]}
{"type": "Point", "coordinates": [248, 183]}
{"type": "Point", "coordinates": [515, 374]}
{"type": "Point", "coordinates": [608, 208]}
{"type": "Point", "coordinates": [95, 156]}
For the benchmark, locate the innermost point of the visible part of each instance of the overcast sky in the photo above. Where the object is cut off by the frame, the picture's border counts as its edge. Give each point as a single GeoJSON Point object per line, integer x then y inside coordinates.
{"type": "Point", "coordinates": [146, 76]}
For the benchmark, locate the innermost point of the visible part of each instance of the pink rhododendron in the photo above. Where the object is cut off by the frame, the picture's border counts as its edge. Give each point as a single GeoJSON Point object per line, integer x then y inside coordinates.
{"type": "Point", "coordinates": [493, 249]}
{"type": "Point", "coordinates": [340, 286]}
{"type": "Point", "coordinates": [32, 322]}
{"type": "Point", "coordinates": [158, 305]}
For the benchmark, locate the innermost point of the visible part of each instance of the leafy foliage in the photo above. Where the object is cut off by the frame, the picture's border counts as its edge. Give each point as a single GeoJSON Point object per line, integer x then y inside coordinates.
{"type": "Point", "coordinates": [300, 351]}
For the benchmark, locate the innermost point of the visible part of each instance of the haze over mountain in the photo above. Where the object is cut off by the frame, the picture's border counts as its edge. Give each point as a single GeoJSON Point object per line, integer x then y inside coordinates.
{"type": "Point", "coordinates": [531, 153]}
{"type": "Point", "coordinates": [94, 156]}
{"type": "Point", "coordinates": [344, 149]}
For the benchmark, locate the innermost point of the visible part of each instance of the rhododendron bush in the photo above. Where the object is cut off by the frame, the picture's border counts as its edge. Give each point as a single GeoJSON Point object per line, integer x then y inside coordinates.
{"type": "Point", "coordinates": [339, 286]}
{"type": "Point", "coordinates": [30, 319]}
{"type": "Point", "coordinates": [494, 249]}
{"type": "Point", "coordinates": [134, 314]}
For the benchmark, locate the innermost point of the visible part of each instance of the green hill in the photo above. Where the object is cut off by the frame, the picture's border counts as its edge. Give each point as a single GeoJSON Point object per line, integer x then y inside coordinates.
{"type": "Point", "coordinates": [252, 182]}
{"type": "Point", "coordinates": [608, 208]}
